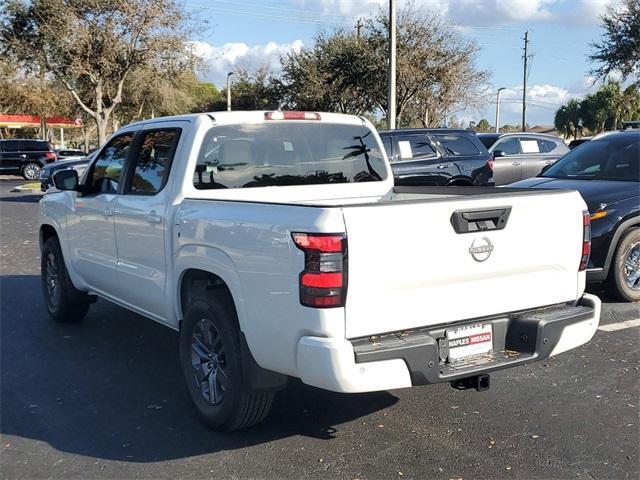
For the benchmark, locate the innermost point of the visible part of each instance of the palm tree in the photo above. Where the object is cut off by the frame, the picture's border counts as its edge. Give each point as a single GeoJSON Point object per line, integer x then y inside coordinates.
{"type": "Point", "coordinates": [568, 119]}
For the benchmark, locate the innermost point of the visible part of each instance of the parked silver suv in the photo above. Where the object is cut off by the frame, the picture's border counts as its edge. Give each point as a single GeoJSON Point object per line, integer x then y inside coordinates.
{"type": "Point", "coordinates": [521, 155]}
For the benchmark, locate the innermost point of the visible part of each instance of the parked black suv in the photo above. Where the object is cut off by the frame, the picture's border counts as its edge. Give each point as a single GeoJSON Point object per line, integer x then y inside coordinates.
{"type": "Point", "coordinates": [25, 157]}
{"type": "Point", "coordinates": [437, 156]}
{"type": "Point", "coordinates": [606, 172]}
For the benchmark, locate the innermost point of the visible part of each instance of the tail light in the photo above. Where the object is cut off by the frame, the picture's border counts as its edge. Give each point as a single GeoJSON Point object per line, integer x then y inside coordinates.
{"type": "Point", "coordinates": [293, 115]}
{"type": "Point", "coordinates": [323, 282]}
{"type": "Point", "coordinates": [586, 240]}
{"type": "Point", "coordinates": [50, 156]}
{"type": "Point", "coordinates": [490, 162]}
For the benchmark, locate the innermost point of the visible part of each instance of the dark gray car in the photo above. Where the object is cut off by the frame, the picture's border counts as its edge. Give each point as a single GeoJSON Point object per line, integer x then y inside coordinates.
{"type": "Point", "coordinates": [521, 155]}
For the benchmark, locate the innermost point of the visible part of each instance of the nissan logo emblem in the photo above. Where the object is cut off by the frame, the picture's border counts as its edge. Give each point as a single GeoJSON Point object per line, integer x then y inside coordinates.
{"type": "Point", "coordinates": [481, 249]}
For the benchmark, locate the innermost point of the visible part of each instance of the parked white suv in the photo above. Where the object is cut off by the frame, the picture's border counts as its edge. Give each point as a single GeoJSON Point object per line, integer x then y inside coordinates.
{"type": "Point", "coordinates": [277, 245]}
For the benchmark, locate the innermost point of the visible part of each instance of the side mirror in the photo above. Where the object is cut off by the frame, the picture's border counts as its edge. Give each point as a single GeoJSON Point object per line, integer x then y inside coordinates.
{"type": "Point", "coordinates": [499, 153]}
{"type": "Point", "coordinates": [66, 179]}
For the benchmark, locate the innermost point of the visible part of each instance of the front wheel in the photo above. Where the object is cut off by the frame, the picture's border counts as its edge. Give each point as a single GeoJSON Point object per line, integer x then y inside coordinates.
{"type": "Point", "coordinates": [624, 277]}
{"type": "Point", "coordinates": [64, 302]}
{"type": "Point", "coordinates": [31, 171]}
{"type": "Point", "coordinates": [212, 367]}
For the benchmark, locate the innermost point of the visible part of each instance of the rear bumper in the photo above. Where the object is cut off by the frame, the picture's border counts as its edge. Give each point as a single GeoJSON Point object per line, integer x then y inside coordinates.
{"type": "Point", "coordinates": [414, 358]}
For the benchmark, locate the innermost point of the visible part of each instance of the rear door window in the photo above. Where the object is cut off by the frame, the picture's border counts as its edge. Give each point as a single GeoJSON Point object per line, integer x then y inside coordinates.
{"type": "Point", "coordinates": [529, 145]}
{"type": "Point", "coordinates": [414, 147]}
{"type": "Point", "coordinates": [153, 161]}
{"type": "Point", "coordinates": [287, 153]}
{"type": "Point", "coordinates": [457, 145]}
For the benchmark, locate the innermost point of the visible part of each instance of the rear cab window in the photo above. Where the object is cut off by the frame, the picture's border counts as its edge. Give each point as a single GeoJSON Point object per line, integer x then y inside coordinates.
{"type": "Point", "coordinates": [287, 153]}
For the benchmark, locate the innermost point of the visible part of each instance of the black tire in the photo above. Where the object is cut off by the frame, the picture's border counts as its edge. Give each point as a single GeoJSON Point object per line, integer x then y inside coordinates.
{"type": "Point", "coordinates": [233, 405]}
{"type": "Point", "coordinates": [63, 301]}
{"type": "Point", "coordinates": [628, 249]}
{"type": "Point", "coordinates": [31, 171]}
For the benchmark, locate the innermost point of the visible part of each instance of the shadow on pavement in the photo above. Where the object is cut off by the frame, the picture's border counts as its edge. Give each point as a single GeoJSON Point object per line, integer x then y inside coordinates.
{"type": "Point", "coordinates": [111, 387]}
{"type": "Point", "coordinates": [20, 198]}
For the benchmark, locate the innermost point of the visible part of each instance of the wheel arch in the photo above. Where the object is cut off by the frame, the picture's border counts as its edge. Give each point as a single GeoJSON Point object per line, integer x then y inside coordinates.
{"type": "Point", "coordinates": [633, 222]}
{"type": "Point", "coordinates": [47, 231]}
{"type": "Point", "coordinates": [460, 182]}
{"type": "Point", "coordinates": [199, 268]}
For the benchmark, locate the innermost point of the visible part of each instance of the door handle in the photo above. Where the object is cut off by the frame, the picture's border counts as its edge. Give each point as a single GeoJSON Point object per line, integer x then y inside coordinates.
{"type": "Point", "coordinates": [108, 212]}
{"type": "Point", "coordinates": [516, 164]}
{"type": "Point", "coordinates": [548, 162]}
{"type": "Point", "coordinates": [447, 165]}
{"type": "Point", "coordinates": [23, 156]}
{"type": "Point", "coordinates": [153, 218]}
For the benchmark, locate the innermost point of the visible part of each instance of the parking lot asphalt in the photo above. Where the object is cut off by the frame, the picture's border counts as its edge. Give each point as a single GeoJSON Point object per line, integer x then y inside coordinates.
{"type": "Point", "coordinates": [105, 399]}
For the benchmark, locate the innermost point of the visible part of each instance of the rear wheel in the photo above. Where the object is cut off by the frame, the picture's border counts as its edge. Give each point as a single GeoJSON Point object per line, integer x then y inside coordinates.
{"type": "Point", "coordinates": [31, 171]}
{"type": "Point", "coordinates": [63, 301]}
{"type": "Point", "coordinates": [624, 277]}
{"type": "Point", "coordinates": [212, 367]}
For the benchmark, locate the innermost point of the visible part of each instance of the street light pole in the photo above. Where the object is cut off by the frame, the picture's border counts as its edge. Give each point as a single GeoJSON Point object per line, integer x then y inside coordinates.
{"type": "Point", "coordinates": [391, 95]}
{"type": "Point", "coordinates": [498, 109]}
{"type": "Point", "coordinates": [229, 91]}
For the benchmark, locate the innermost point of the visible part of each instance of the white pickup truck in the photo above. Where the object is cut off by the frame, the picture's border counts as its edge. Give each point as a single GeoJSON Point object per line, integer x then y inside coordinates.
{"type": "Point", "coordinates": [277, 245]}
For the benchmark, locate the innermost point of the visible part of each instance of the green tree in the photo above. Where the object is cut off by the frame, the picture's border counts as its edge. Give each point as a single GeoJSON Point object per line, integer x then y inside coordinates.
{"type": "Point", "coordinates": [619, 49]}
{"type": "Point", "coordinates": [93, 47]}
{"type": "Point", "coordinates": [483, 125]}
{"type": "Point", "coordinates": [608, 107]}
{"type": "Point", "coordinates": [568, 119]}
{"type": "Point", "coordinates": [347, 72]}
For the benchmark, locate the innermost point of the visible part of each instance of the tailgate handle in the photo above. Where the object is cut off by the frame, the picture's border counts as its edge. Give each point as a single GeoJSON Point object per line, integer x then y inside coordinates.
{"type": "Point", "coordinates": [469, 221]}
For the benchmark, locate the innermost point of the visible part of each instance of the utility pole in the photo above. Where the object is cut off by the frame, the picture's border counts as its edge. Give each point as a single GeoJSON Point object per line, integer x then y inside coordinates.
{"type": "Point", "coordinates": [358, 28]}
{"type": "Point", "coordinates": [391, 96]}
{"type": "Point", "coordinates": [498, 109]}
{"type": "Point", "coordinates": [524, 82]}
{"type": "Point", "coordinates": [229, 91]}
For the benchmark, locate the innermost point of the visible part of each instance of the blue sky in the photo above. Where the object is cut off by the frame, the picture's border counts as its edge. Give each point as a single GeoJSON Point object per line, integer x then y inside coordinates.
{"type": "Point", "coordinates": [249, 33]}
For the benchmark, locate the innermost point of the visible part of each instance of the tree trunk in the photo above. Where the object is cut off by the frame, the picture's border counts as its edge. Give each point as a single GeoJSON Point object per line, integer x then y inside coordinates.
{"type": "Point", "coordinates": [101, 127]}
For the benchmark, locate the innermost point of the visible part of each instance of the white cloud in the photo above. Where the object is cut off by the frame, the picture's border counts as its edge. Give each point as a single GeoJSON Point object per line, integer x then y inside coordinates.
{"type": "Point", "coordinates": [472, 12]}
{"type": "Point", "coordinates": [220, 60]}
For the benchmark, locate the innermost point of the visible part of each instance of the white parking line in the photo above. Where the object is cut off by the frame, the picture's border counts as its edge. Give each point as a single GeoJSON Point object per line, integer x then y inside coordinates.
{"type": "Point", "coordinates": [612, 327]}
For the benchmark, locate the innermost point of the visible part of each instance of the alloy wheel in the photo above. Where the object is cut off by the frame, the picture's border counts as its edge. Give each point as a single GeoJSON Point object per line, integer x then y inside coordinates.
{"type": "Point", "coordinates": [31, 172]}
{"type": "Point", "coordinates": [51, 279]}
{"type": "Point", "coordinates": [208, 362]}
{"type": "Point", "coordinates": [632, 267]}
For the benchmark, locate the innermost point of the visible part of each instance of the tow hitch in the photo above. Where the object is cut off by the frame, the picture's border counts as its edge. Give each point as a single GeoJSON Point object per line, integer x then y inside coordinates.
{"type": "Point", "coordinates": [479, 382]}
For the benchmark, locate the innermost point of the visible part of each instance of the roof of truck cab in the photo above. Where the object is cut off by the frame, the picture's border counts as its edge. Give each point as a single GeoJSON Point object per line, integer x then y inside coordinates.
{"type": "Point", "coordinates": [258, 116]}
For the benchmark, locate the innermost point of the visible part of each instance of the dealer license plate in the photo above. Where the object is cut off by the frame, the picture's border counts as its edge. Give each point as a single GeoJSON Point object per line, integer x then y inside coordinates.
{"type": "Point", "coordinates": [469, 340]}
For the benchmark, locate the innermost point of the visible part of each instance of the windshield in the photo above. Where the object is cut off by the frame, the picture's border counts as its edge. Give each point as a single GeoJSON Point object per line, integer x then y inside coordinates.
{"type": "Point", "coordinates": [287, 153]}
{"type": "Point", "coordinates": [614, 157]}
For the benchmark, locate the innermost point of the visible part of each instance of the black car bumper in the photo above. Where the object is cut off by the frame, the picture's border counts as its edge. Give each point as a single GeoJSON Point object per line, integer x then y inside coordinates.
{"type": "Point", "coordinates": [518, 338]}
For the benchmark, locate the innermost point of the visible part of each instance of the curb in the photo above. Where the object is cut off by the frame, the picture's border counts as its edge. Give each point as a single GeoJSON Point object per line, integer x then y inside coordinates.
{"type": "Point", "coordinates": [22, 189]}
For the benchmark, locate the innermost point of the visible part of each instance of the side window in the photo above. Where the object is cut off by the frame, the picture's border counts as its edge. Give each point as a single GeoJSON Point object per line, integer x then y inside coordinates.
{"type": "Point", "coordinates": [32, 146]}
{"type": "Point", "coordinates": [107, 170]}
{"type": "Point", "coordinates": [529, 145]}
{"type": "Point", "coordinates": [11, 147]}
{"type": "Point", "coordinates": [386, 143]}
{"type": "Point", "coordinates": [414, 147]}
{"type": "Point", "coordinates": [457, 145]}
{"type": "Point", "coordinates": [153, 161]}
{"type": "Point", "coordinates": [546, 146]}
{"type": "Point", "coordinates": [509, 146]}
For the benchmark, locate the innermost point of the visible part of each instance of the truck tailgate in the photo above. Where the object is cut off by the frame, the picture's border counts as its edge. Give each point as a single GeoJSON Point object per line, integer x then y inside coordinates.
{"type": "Point", "coordinates": [408, 267]}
